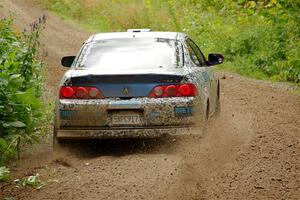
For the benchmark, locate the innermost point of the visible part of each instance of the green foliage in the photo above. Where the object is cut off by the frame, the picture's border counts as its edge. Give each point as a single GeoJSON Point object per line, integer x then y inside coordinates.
{"type": "Point", "coordinates": [258, 38]}
{"type": "Point", "coordinates": [32, 181]}
{"type": "Point", "coordinates": [4, 174]}
{"type": "Point", "coordinates": [20, 87]}
{"type": "Point", "coordinates": [9, 198]}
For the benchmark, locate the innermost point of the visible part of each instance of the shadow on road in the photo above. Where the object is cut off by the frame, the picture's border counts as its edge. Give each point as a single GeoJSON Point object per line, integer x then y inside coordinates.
{"type": "Point", "coordinates": [118, 147]}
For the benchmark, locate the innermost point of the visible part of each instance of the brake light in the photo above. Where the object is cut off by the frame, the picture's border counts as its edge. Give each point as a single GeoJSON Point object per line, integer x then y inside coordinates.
{"type": "Point", "coordinates": [179, 90]}
{"type": "Point", "coordinates": [170, 90]}
{"type": "Point", "coordinates": [73, 92]}
{"type": "Point", "coordinates": [184, 90]}
{"type": "Point", "coordinates": [66, 92]}
{"type": "Point", "coordinates": [81, 93]}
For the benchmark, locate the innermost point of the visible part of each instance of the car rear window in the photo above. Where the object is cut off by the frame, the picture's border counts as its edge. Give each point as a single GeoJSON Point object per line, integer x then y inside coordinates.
{"type": "Point", "coordinates": [131, 53]}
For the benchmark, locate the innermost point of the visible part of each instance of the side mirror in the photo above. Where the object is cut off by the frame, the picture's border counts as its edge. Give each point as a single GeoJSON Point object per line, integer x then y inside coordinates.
{"type": "Point", "coordinates": [67, 61]}
{"type": "Point", "coordinates": [215, 59]}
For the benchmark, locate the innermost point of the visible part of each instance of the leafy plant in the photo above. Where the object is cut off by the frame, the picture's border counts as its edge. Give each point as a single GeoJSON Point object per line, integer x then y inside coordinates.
{"type": "Point", "coordinates": [4, 174]}
{"type": "Point", "coordinates": [9, 198]}
{"type": "Point", "coordinates": [21, 81]}
{"type": "Point", "coordinates": [33, 181]}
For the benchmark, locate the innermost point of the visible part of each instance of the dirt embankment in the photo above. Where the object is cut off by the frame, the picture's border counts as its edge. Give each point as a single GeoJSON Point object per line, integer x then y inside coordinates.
{"type": "Point", "coordinates": [250, 152]}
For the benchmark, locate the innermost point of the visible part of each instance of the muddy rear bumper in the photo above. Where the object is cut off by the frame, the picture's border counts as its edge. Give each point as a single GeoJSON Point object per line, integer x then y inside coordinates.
{"type": "Point", "coordinates": [151, 112]}
{"type": "Point", "coordinates": [122, 132]}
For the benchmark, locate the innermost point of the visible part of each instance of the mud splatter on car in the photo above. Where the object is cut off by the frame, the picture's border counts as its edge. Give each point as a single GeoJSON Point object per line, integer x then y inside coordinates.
{"type": "Point", "coordinates": [136, 84]}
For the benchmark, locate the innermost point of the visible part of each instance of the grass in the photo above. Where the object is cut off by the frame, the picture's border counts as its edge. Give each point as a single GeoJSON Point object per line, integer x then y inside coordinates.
{"type": "Point", "coordinates": [259, 38]}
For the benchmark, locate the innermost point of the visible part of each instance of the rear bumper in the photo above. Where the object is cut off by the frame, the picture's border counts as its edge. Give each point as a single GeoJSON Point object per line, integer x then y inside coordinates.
{"type": "Point", "coordinates": [152, 112]}
{"type": "Point", "coordinates": [122, 132]}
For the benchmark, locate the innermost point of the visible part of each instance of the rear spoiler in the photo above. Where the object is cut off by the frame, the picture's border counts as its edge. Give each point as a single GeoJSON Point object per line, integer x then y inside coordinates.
{"type": "Point", "coordinates": [139, 30]}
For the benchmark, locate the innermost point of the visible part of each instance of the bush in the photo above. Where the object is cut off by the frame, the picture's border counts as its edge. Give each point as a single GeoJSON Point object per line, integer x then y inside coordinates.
{"type": "Point", "coordinates": [20, 87]}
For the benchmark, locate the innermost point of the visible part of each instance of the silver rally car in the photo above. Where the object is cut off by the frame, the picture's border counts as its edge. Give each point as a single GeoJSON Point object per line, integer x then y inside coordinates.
{"type": "Point", "coordinates": [135, 84]}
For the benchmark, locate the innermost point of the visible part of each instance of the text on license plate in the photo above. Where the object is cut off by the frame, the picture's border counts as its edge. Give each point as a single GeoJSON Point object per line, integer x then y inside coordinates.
{"type": "Point", "coordinates": [126, 119]}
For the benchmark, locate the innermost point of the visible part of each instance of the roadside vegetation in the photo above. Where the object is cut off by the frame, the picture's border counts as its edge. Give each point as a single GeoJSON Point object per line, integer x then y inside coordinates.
{"type": "Point", "coordinates": [259, 38]}
{"type": "Point", "coordinates": [22, 111]}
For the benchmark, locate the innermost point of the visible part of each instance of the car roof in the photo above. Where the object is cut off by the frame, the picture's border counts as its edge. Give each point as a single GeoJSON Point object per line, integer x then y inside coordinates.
{"type": "Point", "coordinates": [119, 35]}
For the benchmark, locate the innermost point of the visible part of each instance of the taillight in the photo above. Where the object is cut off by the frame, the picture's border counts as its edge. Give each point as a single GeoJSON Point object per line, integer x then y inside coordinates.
{"type": "Point", "coordinates": [66, 92]}
{"type": "Point", "coordinates": [73, 92]}
{"type": "Point", "coordinates": [179, 90]}
{"type": "Point", "coordinates": [170, 90]}
{"type": "Point", "coordinates": [81, 93]}
{"type": "Point", "coordinates": [94, 93]}
{"type": "Point", "coordinates": [158, 91]}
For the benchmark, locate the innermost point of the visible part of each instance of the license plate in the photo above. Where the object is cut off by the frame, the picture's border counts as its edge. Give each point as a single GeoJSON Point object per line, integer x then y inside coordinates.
{"type": "Point", "coordinates": [126, 119]}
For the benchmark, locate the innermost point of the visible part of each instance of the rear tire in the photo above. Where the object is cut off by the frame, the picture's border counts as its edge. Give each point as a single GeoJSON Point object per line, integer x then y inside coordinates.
{"type": "Point", "coordinates": [218, 107]}
{"type": "Point", "coordinates": [218, 103]}
{"type": "Point", "coordinates": [204, 119]}
{"type": "Point", "coordinates": [57, 143]}
{"type": "Point", "coordinates": [207, 111]}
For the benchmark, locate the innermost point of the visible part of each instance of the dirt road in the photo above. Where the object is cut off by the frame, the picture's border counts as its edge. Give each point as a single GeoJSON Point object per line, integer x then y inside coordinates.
{"type": "Point", "coordinates": [252, 151]}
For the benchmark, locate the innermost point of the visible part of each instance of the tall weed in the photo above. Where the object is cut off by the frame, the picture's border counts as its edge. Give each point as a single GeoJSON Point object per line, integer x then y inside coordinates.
{"type": "Point", "coordinates": [21, 81]}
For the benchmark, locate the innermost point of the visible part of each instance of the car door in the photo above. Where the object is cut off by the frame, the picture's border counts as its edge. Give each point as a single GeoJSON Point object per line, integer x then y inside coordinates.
{"type": "Point", "coordinates": [205, 73]}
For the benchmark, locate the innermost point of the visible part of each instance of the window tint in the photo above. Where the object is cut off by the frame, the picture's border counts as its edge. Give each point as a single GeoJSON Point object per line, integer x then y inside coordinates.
{"type": "Point", "coordinates": [195, 53]}
{"type": "Point", "coordinates": [131, 53]}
